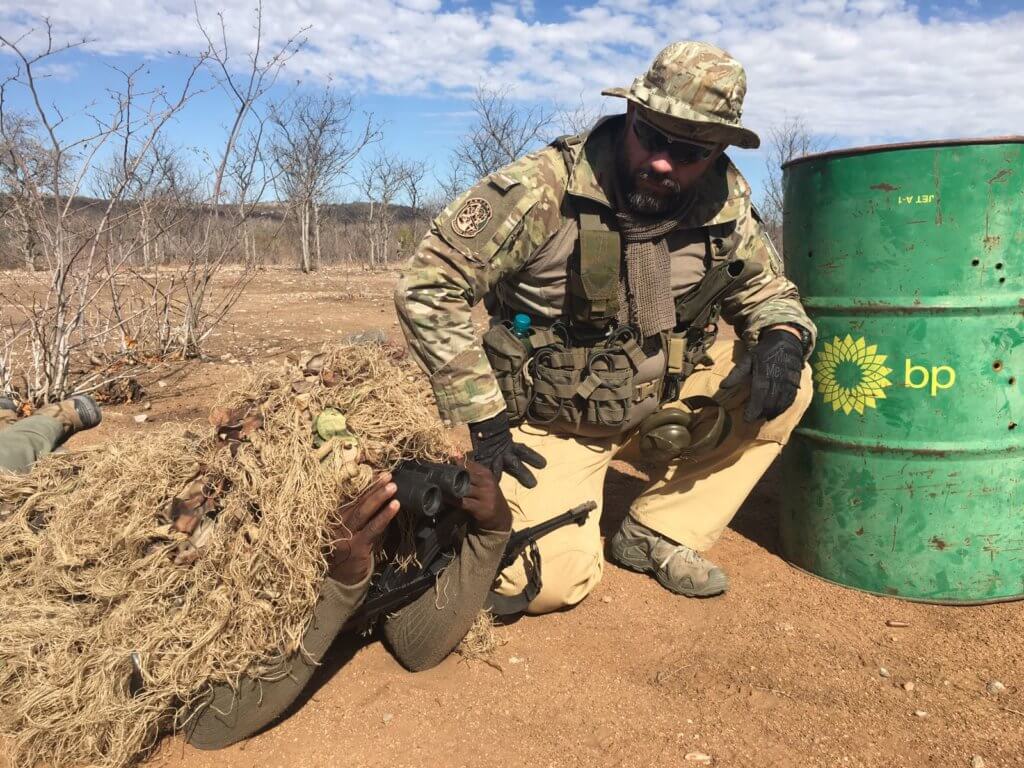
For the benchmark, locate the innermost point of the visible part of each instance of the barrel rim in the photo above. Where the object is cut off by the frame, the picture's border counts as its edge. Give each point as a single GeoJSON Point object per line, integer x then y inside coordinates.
{"type": "Point", "coordinates": [932, 143]}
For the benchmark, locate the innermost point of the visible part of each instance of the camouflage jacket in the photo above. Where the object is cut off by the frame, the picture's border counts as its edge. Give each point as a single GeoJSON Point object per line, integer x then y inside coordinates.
{"type": "Point", "coordinates": [508, 240]}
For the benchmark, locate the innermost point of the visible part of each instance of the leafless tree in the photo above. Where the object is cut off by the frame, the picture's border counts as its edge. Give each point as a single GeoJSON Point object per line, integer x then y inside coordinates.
{"type": "Point", "coordinates": [315, 140]}
{"type": "Point", "coordinates": [232, 198]}
{"type": "Point", "coordinates": [502, 131]}
{"type": "Point", "coordinates": [577, 118]}
{"type": "Point", "coordinates": [89, 315]}
{"type": "Point", "coordinates": [155, 191]}
{"type": "Point", "coordinates": [25, 173]}
{"type": "Point", "coordinates": [414, 190]}
{"type": "Point", "coordinates": [413, 183]}
{"type": "Point", "coordinates": [384, 178]}
{"type": "Point", "coordinates": [787, 141]}
{"type": "Point", "coordinates": [447, 187]}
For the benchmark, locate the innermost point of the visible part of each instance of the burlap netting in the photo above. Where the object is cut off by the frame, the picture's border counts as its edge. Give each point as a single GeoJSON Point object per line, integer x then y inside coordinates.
{"type": "Point", "coordinates": [87, 558]}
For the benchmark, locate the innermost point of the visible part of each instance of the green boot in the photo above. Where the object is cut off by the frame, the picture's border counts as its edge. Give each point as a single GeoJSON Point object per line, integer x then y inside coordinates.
{"type": "Point", "coordinates": [676, 567]}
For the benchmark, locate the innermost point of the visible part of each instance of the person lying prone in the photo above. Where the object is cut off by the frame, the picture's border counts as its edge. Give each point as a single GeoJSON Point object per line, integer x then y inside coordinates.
{"type": "Point", "coordinates": [420, 635]}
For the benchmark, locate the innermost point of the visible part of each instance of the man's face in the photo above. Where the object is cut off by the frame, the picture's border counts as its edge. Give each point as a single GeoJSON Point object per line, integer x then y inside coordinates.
{"type": "Point", "coordinates": [654, 173]}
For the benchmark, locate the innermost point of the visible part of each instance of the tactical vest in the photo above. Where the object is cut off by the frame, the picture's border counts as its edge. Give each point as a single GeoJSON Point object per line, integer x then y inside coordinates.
{"type": "Point", "coordinates": [588, 375]}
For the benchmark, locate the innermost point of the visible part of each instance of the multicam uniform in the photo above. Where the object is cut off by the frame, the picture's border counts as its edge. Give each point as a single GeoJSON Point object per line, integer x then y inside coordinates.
{"type": "Point", "coordinates": [509, 241]}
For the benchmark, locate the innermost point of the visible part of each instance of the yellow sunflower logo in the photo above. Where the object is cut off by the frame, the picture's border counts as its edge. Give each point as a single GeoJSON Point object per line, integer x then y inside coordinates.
{"type": "Point", "coordinates": [851, 374]}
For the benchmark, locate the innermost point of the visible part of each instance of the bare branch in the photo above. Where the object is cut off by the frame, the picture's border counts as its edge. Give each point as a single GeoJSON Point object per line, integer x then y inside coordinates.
{"type": "Point", "coordinates": [503, 131]}
{"type": "Point", "coordinates": [787, 141]}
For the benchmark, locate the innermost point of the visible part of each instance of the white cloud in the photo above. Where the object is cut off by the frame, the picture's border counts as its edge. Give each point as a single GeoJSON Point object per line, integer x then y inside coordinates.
{"type": "Point", "coordinates": [855, 68]}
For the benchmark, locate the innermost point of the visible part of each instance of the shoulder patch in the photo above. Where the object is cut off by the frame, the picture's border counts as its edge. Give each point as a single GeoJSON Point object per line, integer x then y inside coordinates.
{"type": "Point", "coordinates": [479, 223]}
{"type": "Point", "coordinates": [472, 217]}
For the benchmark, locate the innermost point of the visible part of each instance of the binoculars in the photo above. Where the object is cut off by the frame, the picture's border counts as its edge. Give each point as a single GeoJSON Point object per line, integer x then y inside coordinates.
{"type": "Point", "coordinates": [423, 486]}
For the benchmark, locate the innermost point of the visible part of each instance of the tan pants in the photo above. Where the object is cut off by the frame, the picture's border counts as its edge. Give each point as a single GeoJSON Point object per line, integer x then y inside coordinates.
{"type": "Point", "coordinates": [689, 502]}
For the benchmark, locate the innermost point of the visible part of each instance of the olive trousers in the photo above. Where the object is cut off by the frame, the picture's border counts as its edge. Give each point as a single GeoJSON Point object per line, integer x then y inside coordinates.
{"type": "Point", "coordinates": [690, 502]}
{"type": "Point", "coordinates": [24, 441]}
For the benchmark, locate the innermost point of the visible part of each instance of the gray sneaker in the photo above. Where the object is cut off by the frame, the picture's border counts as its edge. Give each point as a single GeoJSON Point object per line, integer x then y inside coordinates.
{"type": "Point", "coordinates": [676, 567]}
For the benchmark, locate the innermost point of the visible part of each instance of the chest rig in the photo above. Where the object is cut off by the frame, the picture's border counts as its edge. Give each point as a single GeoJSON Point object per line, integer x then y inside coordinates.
{"type": "Point", "coordinates": [590, 375]}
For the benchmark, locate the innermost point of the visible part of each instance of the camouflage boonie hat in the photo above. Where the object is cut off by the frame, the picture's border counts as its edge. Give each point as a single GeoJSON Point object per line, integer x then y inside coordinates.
{"type": "Point", "coordinates": [693, 90]}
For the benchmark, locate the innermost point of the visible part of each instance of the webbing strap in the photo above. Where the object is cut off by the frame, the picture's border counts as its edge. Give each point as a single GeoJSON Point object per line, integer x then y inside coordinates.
{"type": "Point", "coordinates": [542, 337]}
{"type": "Point", "coordinates": [676, 353]}
{"type": "Point", "coordinates": [574, 357]}
{"type": "Point", "coordinates": [562, 390]}
{"type": "Point", "coordinates": [635, 354]}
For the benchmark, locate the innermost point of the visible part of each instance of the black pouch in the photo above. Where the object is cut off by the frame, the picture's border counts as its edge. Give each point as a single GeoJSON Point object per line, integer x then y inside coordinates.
{"type": "Point", "coordinates": [508, 356]}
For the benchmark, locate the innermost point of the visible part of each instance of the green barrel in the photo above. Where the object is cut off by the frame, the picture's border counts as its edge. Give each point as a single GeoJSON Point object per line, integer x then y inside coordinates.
{"type": "Point", "coordinates": [906, 476]}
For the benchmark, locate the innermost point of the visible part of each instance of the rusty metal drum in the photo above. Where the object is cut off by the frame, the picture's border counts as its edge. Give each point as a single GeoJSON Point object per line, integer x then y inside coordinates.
{"type": "Point", "coordinates": [906, 476]}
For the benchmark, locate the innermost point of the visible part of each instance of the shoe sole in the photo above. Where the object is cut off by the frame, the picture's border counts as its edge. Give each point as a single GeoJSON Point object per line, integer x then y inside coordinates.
{"type": "Point", "coordinates": [88, 411]}
{"type": "Point", "coordinates": [650, 570]}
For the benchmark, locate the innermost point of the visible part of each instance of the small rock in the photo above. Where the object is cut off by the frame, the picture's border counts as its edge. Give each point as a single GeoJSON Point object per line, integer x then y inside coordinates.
{"type": "Point", "coordinates": [515, 660]}
{"type": "Point", "coordinates": [141, 418]}
{"type": "Point", "coordinates": [883, 672]}
{"type": "Point", "coordinates": [908, 686]}
{"type": "Point", "coordinates": [895, 623]}
{"type": "Point", "coordinates": [233, 361]}
{"type": "Point", "coordinates": [387, 718]}
{"type": "Point", "coordinates": [161, 383]}
{"type": "Point", "coordinates": [920, 713]}
{"type": "Point", "coordinates": [147, 405]}
{"type": "Point", "coordinates": [274, 350]}
{"type": "Point", "coordinates": [226, 356]}
{"type": "Point", "coordinates": [977, 761]}
{"type": "Point", "coordinates": [606, 599]}
{"type": "Point", "coordinates": [995, 687]}
{"type": "Point", "coordinates": [697, 757]}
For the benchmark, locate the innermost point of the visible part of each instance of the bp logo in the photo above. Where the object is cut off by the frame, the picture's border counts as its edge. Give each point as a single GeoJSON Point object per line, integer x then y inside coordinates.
{"type": "Point", "coordinates": [851, 375]}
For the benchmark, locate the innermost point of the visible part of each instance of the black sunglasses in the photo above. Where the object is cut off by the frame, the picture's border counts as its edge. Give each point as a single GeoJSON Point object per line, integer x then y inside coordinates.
{"type": "Point", "coordinates": [681, 151]}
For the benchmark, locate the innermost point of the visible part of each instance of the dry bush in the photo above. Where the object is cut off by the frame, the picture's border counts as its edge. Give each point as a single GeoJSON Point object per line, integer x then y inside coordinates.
{"type": "Point", "coordinates": [95, 303]}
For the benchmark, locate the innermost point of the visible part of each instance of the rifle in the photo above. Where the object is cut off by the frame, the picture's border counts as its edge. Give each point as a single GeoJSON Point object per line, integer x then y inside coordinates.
{"type": "Point", "coordinates": [430, 491]}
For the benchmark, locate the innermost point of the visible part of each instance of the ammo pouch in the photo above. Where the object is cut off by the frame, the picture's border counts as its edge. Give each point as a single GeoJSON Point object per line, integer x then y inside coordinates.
{"type": "Point", "coordinates": [597, 390]}
{"type": "Point", "coordinates": [508, 356]}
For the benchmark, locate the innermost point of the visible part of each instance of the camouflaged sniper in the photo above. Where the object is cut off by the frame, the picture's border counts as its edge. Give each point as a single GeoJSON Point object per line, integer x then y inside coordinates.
{"type": "Point", "coordinates": [509, 239]}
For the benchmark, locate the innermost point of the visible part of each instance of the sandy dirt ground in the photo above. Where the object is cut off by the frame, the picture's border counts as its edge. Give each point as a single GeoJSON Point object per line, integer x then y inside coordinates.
{"type": "Point", "coordinates": [785, 670]}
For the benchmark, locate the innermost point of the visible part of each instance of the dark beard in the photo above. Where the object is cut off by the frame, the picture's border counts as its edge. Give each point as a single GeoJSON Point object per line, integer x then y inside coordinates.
{"type": "Point", "coordinates": [647, 203]}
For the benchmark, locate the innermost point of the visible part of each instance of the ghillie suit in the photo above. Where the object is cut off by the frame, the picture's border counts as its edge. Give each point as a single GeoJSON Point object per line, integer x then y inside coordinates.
{"type": "Point", "coordinates": [135, 576]}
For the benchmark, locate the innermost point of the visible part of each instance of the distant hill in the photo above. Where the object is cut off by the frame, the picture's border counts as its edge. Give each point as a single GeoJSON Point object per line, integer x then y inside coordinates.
{"type": "Point", "coordinates": [341, 213]}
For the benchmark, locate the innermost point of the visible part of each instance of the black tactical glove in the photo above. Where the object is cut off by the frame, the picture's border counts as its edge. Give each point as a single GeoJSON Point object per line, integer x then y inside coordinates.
{"type": "Point", "coordinates": [493, 447]}
{"type": "Point", "coordinates": [776, 362]}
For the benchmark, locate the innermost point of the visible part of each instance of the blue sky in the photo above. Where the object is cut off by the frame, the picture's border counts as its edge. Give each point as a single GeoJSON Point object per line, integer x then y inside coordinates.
{"type": "Point", "coordinates": [856, 71]}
